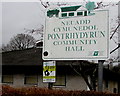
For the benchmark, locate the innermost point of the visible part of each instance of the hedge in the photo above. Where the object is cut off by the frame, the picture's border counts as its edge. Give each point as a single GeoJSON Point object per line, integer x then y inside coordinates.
{"type": "Point", "coordinates": [36, 91]}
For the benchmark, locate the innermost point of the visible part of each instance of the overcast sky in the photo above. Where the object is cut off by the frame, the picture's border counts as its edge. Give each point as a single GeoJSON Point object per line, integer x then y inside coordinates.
{"type": "Point", "coordinates": [19, 15]}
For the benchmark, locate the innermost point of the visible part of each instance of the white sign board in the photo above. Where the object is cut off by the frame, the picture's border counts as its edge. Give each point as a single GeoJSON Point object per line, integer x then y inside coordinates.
{"type": "Point", "coordinates": [49, 71]}
{"type": "Point", "coordinates": [77, 37]}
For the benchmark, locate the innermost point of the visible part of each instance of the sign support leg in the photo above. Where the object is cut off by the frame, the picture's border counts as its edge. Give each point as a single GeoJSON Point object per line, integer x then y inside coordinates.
{"type": "Point", "coordinates": [119, 41]}
{"type": "Point", "coordinates": [50, 85]}
{"type": "Point", "coordinates": [100, 75]}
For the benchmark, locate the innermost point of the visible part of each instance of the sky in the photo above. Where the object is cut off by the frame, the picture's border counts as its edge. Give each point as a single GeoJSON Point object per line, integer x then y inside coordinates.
{"type": "Point", "coordinates": [18, 16]}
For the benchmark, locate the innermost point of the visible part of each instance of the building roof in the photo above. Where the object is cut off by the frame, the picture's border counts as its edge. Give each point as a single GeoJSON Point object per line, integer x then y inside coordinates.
{"type": "Point", "coordinates": [70, 8]}
{"type": "Point", "coordinates": [31, 56]}
{"type": "Point", "coordinates": [31, 59]}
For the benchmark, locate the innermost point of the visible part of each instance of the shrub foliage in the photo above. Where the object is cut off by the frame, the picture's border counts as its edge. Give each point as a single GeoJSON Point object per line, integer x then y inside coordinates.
{"type": "Point", "coordinates": [35, 91]}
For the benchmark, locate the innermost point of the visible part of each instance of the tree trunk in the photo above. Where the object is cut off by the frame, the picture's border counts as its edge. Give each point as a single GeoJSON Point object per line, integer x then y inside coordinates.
{"type": "Point", "coordinates": [86, 80]}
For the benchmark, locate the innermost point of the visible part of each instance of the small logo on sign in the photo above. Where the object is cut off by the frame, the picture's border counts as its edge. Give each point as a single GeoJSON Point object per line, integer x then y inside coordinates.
{"type": "Point", "coordinates": [96, 53]}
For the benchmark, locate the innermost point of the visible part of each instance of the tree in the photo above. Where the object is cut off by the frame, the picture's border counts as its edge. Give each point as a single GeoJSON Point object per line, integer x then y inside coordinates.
{"type": "Point", "coordinates": [87, 70]}
{"type": "Point", "coordinates": [38, 31]}
{"type": "Point", "coordinates": [20, 42]}
{"type": "Point", "coordinates": [116, 69]}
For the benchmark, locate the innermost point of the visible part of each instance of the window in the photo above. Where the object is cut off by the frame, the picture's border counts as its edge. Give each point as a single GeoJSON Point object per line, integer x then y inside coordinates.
{"type": "Point", "coordinates": [31, 79]}
{"type": "Point", "coordinates": [85, 13]}
{"type": "Point", "coordinates": [114, 90]}
{"type": "Point", "coordinates": [71, 14]}
{"type": "Point", "coordinates": [7, 79]}
{"type": "Point", "coordinates": [64, 14]}
{"type": "Point", "coordinates": [106, 83]}
{"type": "Point", "coordinates": [79, 13]}
{"type": "Point", "coordinates": [60, 81]}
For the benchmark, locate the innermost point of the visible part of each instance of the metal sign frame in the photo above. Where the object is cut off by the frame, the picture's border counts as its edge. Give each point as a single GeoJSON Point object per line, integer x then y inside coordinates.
{"type": "Point", "coordinates": [72, 50]}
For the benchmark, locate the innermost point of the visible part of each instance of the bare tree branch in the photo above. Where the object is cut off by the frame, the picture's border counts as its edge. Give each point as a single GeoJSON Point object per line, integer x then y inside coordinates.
{"type": "Point", "coordinates": [19, 42]}
{"type": "Point", "coordinates": [115, 49]}
{"type": "Point", "coordinates": [45, 5]}
{"type": "Point", "coordinates": [99, 4]}
{"type": "Point", "coordinates": [115, 30]}
{"type": "Point", "coordinates": [82, 73]}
